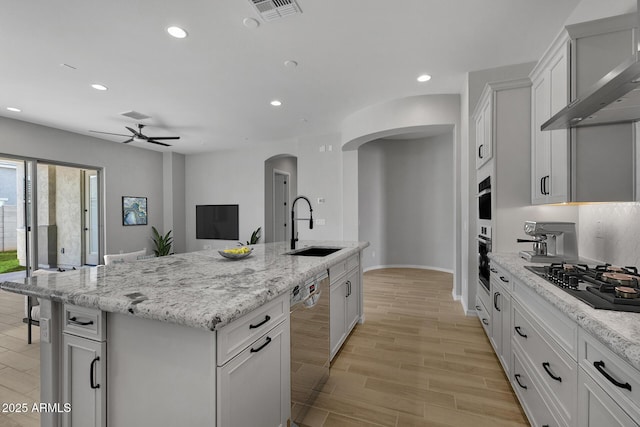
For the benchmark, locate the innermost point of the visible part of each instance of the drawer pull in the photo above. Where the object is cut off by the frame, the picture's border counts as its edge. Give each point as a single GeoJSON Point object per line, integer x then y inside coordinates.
{"type": "Point", "coordinates": [493, 270]}
{"type": "Point", "coordinates": [504, 279]}
{"type": "Point", "coordinates": [92, 381]}
{"type": "Point", "coordinates": [517, 377]}
{"type": "Point", "coordinates": [75, 321]}
{"type": "Point", "coordinates": [600, 367]}
{"type": "Point", "coordinates": [485, 321]}
{"type": "Point", "coordinates": [546, 366]}
{"type": "Point", "coordinates": [266, 319]}
{"type": "Point", "coordinates": [517, 328]}
{"type": "Point", "coordinates": [255, 350]}
{"type": "Point", "coordinates": [477, 307]}
{"type": "Point", "coordinates": [495, 301]}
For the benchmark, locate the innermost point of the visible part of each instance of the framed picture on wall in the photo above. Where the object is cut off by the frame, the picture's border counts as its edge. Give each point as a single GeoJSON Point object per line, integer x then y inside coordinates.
{"type": "Point", "coordinates": [134, 210]}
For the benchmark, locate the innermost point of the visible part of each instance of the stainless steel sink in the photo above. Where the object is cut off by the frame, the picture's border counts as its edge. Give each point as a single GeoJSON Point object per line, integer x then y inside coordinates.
{"type": "Point", "coordinates": [318, 251]}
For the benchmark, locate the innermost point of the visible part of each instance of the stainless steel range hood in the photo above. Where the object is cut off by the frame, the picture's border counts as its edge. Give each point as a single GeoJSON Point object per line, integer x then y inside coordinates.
{"type": "Point", "coordinates": [615, 98]}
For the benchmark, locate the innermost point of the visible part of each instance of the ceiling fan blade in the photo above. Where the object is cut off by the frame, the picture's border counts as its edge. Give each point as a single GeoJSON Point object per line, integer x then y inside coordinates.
{"type": "Point", "coordinates": [159, 143]}
{"type": "Point", "coordinates": [135, 132]}
{"type": "Point", "coordinates": [127, 141]}
{"type": "Point", "coordinates": [164, 137]}
{"type": "Point", "coordinates": [108, 133]}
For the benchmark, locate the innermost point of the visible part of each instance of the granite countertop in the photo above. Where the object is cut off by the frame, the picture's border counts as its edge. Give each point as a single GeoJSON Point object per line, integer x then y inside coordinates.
{"type": "Point", "coordinates": [197, 289]}
{"type": "Point", "coordinates": [620, 331]}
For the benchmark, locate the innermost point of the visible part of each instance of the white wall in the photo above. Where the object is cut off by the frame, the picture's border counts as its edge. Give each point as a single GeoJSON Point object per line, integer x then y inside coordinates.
{"type": "Point", "coordinates": [174, 200]}
{"type": "Point", "coordinates": [588, 10]}
{"type": "Point", "coordinates": [406, 202]}
{"type": "Point", "coordinates": [128, 171]}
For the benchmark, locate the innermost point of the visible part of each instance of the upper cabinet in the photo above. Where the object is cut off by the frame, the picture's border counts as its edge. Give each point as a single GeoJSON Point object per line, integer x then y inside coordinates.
{"type": "Point", "coordinates": [484, 138]}
{"type": "Point", "coordinates": [589, 164]}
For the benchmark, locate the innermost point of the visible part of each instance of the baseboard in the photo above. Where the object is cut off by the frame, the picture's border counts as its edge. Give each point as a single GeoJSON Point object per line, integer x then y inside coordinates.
{"type": "Point", "coordinates": [420, 267]}
{"type": "Point", "coordinates": [455, 296]}
{"type": "Point", "coordinates": [470, 312]}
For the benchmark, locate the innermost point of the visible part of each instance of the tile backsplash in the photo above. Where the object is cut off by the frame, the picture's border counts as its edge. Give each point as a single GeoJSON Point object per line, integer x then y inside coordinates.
{"type": "Point", "coordinates": [610, 233]}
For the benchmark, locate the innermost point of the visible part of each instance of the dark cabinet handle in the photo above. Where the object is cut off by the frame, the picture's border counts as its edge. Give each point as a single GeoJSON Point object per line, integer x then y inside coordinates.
{"type": "Point", "coordinates": [504, 280]}
{"type": "Point", "coordinates": [493, 270]}
{"type": "Point", "coordinates": [546, 366]}
{"type": "Point", "coordinates": [255, 350]}
{"type": "Point", "coordinates": [495, 301]}
{"type": "Point", "coordinates": [600, 367]}
{"type": "Point", "coordinates": [92, 381]}
{"type": "Point", "coordinates": [266, 319]}
{"type": "Point", "coordinates": [517, 328]}
{"type": "Point", "coordinates": [480, 151]}
{"type": "Point", "coordinates": [542, 186]}
{"type": "Point", "coordinates": [75, 321]}
{"type": "Point", "coordinates": [485, 321]}
{"type": "Point", "coordinates": [477, 307]}
{"type": "Point", "coordinates": [517, 377]}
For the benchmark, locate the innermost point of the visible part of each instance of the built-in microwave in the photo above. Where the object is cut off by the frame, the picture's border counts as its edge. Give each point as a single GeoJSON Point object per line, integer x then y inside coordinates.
{"type": "Point", "coordinates": [484, 199]}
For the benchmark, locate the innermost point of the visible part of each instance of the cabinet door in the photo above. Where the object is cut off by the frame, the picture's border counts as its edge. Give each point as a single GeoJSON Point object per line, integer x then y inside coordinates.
{"type": "Point", "coordinates": [83, 382]}
{"type": "Point", "coordinates": [253, 387]}
{"type": "Point", "coordinates": [496, 317]}
{"type": "Point", "coordinates": [353, 299]}
{"type": "Point", "coordinates": [338, 310]}
{"type": "Point", "coordinates": [557, 185]}
{"type": "Point", "coordinates": [505, 352]}
{"type": "Point", "coordinates": [540, 167]}
{"type": "Point", "coordinates": [596, 407]}
{"type": "Point", "coordinates": [484, 129]}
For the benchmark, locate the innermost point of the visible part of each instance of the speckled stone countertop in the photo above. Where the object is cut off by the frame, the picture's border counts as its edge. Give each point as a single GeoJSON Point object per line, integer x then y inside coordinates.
{"type": "Point", "coordinates": [197, 289]}
{"type": "Point", "coordinates": [620, 331]}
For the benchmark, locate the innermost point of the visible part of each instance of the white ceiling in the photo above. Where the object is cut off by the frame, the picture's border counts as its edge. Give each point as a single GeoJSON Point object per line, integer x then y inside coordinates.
{"type": "Point", "coordinates": [214, 87]}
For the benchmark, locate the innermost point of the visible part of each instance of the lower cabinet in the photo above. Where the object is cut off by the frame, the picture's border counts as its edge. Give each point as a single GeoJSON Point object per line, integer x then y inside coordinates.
{"type": "Point", "coordinates": [501, 324]}
{"type": "Point", "coordinates": [345, 307]}
{"type": "Point", "coordinates": [253, 387]}
{"type": "Point", "coordinates": [84, 374]}
{"type": "Point", "coordinates": [597, 408]}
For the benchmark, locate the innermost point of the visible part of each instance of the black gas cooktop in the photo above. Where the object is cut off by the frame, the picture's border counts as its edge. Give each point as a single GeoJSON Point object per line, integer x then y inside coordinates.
{"type": "Point", "coordinates": [595, 286]}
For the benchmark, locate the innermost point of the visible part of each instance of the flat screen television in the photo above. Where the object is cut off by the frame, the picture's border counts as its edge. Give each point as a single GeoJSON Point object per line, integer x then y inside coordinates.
{"type": "Point", "coordinates": [217, 222]}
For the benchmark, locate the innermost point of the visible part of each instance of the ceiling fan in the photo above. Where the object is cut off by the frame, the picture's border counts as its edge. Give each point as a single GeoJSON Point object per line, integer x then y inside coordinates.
{"type": "Point", "coordinates": [138, 136]}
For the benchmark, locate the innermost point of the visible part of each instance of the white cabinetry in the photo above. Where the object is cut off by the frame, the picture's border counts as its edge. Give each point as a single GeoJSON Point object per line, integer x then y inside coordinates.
{"type": "Point", "coordinates": [84, 367]}
{"type": "Point", "coordinates": [501, 316]}
{"type": "Point", "coordinates": [484, 129]}
{"type": "Point", "coordinates": [253, 373]}
{"type": "Point", "coordinates": [346, 300]}
{"type": "Point", "coordinates": [564, 163]}
{"type": "Point", "coordinates": [550, 149]}
{"type": "Point", "coordinates": [608, 387]}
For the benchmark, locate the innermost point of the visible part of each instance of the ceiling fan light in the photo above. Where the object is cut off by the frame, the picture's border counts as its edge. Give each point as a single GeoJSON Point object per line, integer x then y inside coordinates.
{"type": "Point", "coordinates": [177, 32]}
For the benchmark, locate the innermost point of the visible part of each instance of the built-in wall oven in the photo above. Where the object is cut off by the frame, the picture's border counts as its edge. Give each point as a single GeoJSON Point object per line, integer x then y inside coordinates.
{"type": "Point", "coordinates": [484, 237]}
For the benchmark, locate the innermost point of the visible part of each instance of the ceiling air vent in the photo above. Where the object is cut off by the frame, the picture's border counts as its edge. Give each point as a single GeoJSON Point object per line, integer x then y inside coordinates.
{"type": "Point", "coordinates": [271, 10]}
{"type": "Point", "coordinates": [135, 115]}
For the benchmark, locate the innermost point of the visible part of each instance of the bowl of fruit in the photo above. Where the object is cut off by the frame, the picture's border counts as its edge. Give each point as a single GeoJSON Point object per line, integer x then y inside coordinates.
{"type": "Point", "coordinates": [236, 253]}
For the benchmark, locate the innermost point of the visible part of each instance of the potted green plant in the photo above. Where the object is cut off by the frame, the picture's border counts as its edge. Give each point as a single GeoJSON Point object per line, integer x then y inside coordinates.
{"type": "Point", "coordinates": [255, 238]}
{"type": "Point", "coordinates": [162, 243]}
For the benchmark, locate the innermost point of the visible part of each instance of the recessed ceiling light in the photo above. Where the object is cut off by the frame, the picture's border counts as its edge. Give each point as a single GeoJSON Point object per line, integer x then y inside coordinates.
{"type": "Point", "coordinates": [276, 103]}
{"type": "Point", "coordinates": [290, 64]}
{"type": "Point", "coordinates": [177, 32]}
{"type": "Point", "coordinates": [14, 109]}
{"type": "Point", "coordinates": [98, 86]}
{"type": "Point", "coordinates": [250, 23]}
{"type": "Point", "coordinates": [424, 78]}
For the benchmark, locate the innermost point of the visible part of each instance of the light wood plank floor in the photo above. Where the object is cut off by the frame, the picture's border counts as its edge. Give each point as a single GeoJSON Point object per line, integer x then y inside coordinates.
{"type": "Point", "coordinates": [416, 361]}
{"type": "Point", "coordinates": [19, 362]}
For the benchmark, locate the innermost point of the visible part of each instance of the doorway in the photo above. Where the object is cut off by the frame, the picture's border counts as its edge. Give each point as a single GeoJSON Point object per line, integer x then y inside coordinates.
{"type": "Point", "coordinates": [280, 184]}
{"type": "Point", "coordinates": [280, 205]}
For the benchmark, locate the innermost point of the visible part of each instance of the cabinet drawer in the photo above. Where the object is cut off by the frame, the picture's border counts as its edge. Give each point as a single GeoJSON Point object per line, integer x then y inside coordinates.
{"type": "Point", "coordinates": [557, 371]}
{"type": "Point", "coordinates": [616, 377]}
{"type": "Point", "coordinates": [85, 322]}
{"type": "Point", "coordinates": [484, 315]}
{"type": "Point", "coordinates": [338, 270]}
{"type": "Point", "coordinates": [237, 335]}
{"type": "Point", "coordinates": [500, 275]}
{"type": "Point", "coordinates": [597, 408]}
{"type": "Point", "coordinates": [530, 395]}
{"type": "Point", "coordinates": [562, 329]}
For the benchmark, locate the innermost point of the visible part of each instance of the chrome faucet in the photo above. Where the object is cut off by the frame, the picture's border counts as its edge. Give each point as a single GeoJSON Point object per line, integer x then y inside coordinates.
{"type": "Point", "coordinates": [294, 236]}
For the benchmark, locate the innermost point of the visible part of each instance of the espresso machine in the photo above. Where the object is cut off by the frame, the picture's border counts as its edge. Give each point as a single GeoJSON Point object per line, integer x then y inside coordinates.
{"type": "Point", "coordinates": [552, 241]}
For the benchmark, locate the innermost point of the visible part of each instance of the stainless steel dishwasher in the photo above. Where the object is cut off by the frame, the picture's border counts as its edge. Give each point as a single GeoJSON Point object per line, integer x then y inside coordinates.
{"type": "Point", "coordinates": [309, 343]}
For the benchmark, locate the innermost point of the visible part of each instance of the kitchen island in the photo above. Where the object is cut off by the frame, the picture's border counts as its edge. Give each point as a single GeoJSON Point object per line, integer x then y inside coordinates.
{"type": "Point", "coordinates": [149, 340]}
